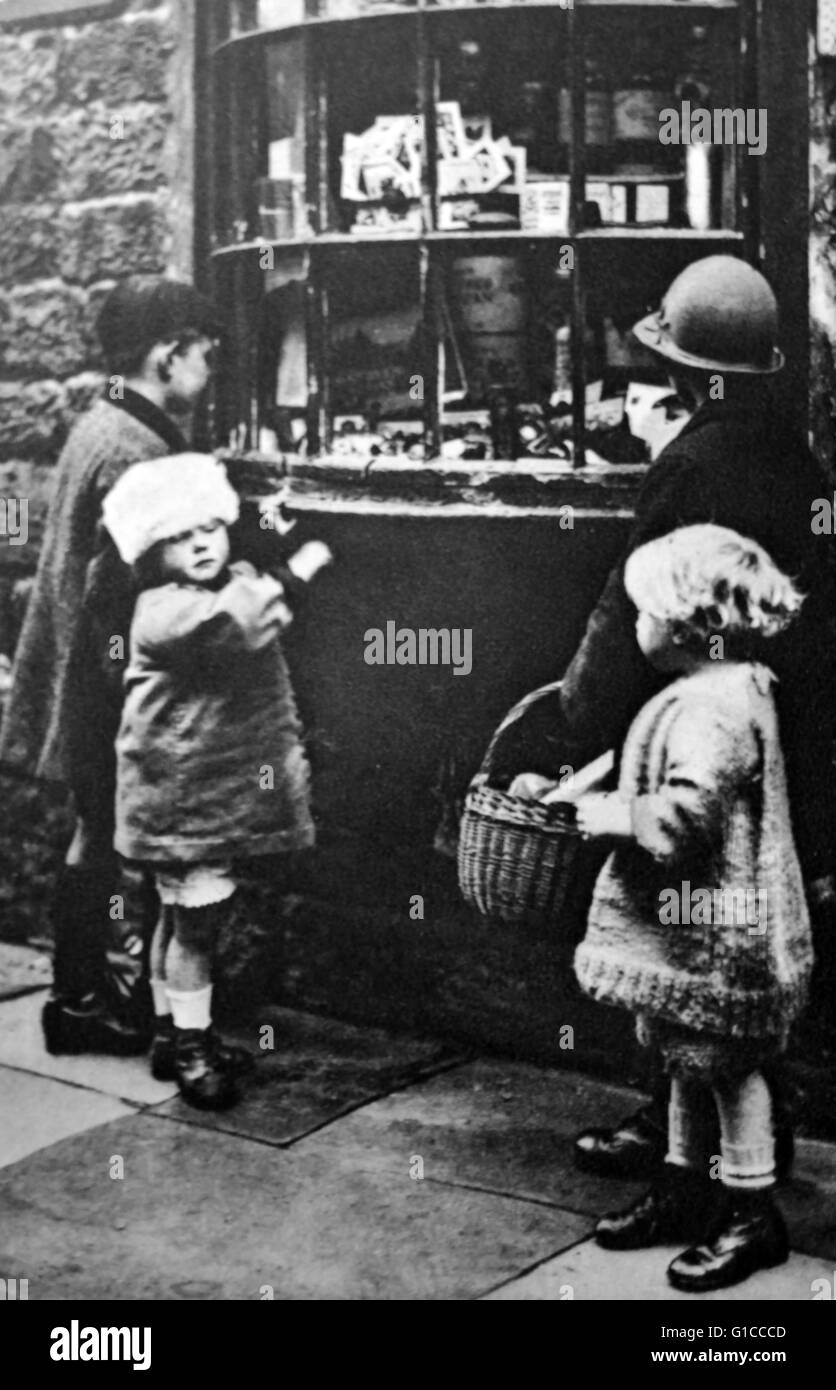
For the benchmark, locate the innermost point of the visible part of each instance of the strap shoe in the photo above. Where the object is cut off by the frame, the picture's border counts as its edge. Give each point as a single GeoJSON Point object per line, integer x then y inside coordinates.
{"type": "Point", "coordinates": [230, 1058]}
{"type": "Point", "coordinates": [635, 1148]}
{"type": "Point", "coordinates": [201, 1081]}
{"type": "Point", "coordinates": [749, 1235]}
{"type": "Point", "coordinates": [675, 1208]}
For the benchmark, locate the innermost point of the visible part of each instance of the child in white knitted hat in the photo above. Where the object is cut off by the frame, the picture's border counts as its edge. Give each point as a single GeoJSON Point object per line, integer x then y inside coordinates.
{"type": "Point", "coordinates": [699, 923]}
{"type": "Point", "coordinates": [210, 763]}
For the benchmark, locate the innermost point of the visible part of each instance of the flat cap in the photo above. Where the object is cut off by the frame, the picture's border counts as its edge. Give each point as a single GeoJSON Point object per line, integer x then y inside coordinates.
{"type": "Point", "coordinates": [141, 312]}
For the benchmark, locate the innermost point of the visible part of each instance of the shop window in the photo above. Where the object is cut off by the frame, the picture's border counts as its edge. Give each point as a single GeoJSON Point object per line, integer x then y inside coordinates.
{"type": "Point", "coordinates": [433, 224]}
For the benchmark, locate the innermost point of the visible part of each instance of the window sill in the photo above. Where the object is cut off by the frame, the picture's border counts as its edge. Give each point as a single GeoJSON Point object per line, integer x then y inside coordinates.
{"type": "Point", "coordinates": [442, 487]}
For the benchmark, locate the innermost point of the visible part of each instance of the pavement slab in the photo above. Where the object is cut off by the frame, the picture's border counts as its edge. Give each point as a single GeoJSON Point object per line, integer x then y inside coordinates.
{"type": "Point", "coordinates": [203, 1215]}
{"type": "Point", "coordinates": [38, 1111]}
{"type": "Point", "coordinates": [318, 1070]}
{"type": "Point", "coordinates": [809, 1200]}
{"type": "Point", "coordinates": [22, 969]}
{"type": "Point", "coordinates": [588, 1272]}
{"type": "Point", "coordinates": [22, 1046]}
{"type": "Point", "coordinates": [500, 1126]}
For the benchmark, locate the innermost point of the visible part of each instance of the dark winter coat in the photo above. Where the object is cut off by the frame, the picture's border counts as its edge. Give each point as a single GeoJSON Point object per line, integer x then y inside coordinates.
{"type": "Point", "coordinates": [103, 443]}
{"type": "Point", "coordinates": [99, 659]}
{"type": "Point", "coordinates": [210, 763]}
{"type": "Point", "coordinates": [736, 464]}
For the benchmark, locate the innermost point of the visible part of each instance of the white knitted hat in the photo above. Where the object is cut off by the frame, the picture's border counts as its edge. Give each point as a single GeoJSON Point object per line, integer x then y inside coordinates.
{"type": "Point", "coordinates": [157, 500]}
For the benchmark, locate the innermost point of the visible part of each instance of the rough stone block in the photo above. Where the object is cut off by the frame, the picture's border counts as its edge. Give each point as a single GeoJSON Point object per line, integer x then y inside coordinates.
{"type": "Point", "coordinates": [43, 330]}
{"type": "Point", "coordinates": [29, 163]}
{"type": "Point", "coordinates": [116, 62]}
{"type": "Point", "coordinates": [32, 418]}
{"type": "Point", "coordinates": [28, 62]}
{"type": "Point", "coordinates": [100, 241]}
{"type": "Point", "coordinates": [823, 197]}
{"type": "Point", "coordinates": [36, 416]}
{"type": "Point", "coordinates": [30, 240]}
{"type": "Point", "coordinates": [99, 159]}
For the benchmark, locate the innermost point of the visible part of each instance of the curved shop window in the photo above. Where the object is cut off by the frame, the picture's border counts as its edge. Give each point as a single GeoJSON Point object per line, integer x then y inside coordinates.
{"type": "Point", "coordinates": [434, 224]}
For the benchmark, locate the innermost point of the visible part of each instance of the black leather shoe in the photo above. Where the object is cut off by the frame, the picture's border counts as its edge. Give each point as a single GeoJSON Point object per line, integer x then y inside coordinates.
{"type": "Point", "coordinates": [634, 1149]}
{"type": "Point", "coordinates": [201, 1081]}
{"type": "Point", "coordinates": [87, 1026]}
{"type": "Point", "coordinates": [235, 1060]}
{"type": "Point", "coordinates": [750, 1235]}
{"type": "Point", "coordinates": [676, 1208]}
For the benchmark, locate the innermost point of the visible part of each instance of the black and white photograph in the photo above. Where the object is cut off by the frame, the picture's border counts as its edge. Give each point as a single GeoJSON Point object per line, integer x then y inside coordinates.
{"type": "Point", "coordinates": [418, 663]}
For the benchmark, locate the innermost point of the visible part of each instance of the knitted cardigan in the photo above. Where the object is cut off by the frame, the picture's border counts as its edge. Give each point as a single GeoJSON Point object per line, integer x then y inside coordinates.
{"type": "Point", "coordinates": [100, 447]}
{"type": "Point", "coordinates": [703, 770]}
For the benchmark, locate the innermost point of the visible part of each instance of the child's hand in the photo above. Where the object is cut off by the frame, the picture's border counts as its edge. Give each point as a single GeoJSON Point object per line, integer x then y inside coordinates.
{"type": "Point", "coordinates": [309, 560]}
{"type": "Point", "coordinates": [530, 786]}
{"type": "Point", "coordinates": [601, 814]}
{"type": "Point", "coordinates": [272, 512]}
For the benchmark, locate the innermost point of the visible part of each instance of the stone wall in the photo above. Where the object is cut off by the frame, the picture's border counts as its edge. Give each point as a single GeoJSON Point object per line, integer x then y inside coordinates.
{"type": "Point", "coordinates": [96, 182]}
{"type": "Point", "coordinates": [822, 256]}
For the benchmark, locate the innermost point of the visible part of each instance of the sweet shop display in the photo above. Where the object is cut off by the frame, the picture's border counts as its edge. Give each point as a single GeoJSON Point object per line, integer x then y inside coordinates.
{"type": "Point", "coordinates": [466, 291]}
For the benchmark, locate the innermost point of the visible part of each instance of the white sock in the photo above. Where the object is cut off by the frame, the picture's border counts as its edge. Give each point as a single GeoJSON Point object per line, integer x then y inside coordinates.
{"type": "Point", "coordinates": [747, 1137]}
{"type": "Point", "coordinates": [689, 1125]}
{"type": "Point", "coordinates": [192, 1009]}
{"type": "Point", "coordinates": [159, 994]}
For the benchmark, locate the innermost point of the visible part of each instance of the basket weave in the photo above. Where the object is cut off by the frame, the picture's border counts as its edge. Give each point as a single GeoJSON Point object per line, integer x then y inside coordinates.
{"type": "Point", "coordinates": [519, 860]}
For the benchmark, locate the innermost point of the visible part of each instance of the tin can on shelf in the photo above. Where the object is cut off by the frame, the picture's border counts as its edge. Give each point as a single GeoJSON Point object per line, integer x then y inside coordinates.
{"type": "Point", "coordinates": [544, 206]}
{"type": "Point", "coordinates": [489, 294]}
{"type": "Point", "coordinates": [280, 209]}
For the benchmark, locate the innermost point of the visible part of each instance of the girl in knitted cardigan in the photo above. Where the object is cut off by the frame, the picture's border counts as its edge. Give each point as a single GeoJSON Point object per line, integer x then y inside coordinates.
{"type": "Point", "coordinates": [698, 922]}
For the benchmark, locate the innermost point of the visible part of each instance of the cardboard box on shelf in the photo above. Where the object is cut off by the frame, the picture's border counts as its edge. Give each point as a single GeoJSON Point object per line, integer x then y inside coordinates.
{"type": "Point", "coordinates": [544, 206]}
{"type": "Point", "coordinates": [611, 199]}
{"type": "Point", "coordinates": [387, 159]}
{"type": "Point", "coordinates": [653, 203]}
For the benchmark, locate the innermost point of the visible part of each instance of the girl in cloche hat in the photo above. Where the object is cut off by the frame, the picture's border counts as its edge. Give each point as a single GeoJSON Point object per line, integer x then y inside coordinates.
{"type": "Point", "coordinates": [210, 763]}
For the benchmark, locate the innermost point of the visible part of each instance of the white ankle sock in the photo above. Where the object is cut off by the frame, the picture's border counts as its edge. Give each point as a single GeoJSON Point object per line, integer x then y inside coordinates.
{"type": "Point", "coordinates": [192, 1009]}
{"type": "Point", "coordinates": [747, 1137]}
{"type": "Point", "coordinates": [159, 994]}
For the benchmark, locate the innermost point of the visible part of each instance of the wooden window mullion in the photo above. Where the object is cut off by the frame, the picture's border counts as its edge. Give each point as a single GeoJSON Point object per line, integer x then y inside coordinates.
{"type": "Point", "coordinates": [577, 197]}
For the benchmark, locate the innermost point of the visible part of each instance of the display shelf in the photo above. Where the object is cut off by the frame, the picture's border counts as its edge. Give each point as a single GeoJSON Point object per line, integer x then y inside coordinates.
{"type": "Point", "coordinates": [683, 7]}
{"type": "Point", "coordinates": [442, 12]}
{"type": "Point", "coordinates": [441, 488]}
{"type": "Point", "coordinates": [353, 241]}
{"type": "Point", "coordinates": [672, 234]}
{"type": "Point", "coordinates": [403, 61]}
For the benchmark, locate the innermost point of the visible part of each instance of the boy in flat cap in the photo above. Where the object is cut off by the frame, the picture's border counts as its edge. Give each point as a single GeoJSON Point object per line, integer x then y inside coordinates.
{"type": "Point", "coordinates": [157, 338]}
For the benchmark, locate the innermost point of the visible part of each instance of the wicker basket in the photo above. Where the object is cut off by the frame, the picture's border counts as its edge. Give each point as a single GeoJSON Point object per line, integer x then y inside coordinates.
{"type": "Point", "coordinates": [519, 860]}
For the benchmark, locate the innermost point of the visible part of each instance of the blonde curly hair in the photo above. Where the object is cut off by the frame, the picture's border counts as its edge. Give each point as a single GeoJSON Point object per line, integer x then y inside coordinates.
{"type": "Point", "coordinates": [709, 580]}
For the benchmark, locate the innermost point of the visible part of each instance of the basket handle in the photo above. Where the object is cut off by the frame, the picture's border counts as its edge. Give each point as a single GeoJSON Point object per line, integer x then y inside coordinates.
{"type": "Point", "coordinates": [515, 713]}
